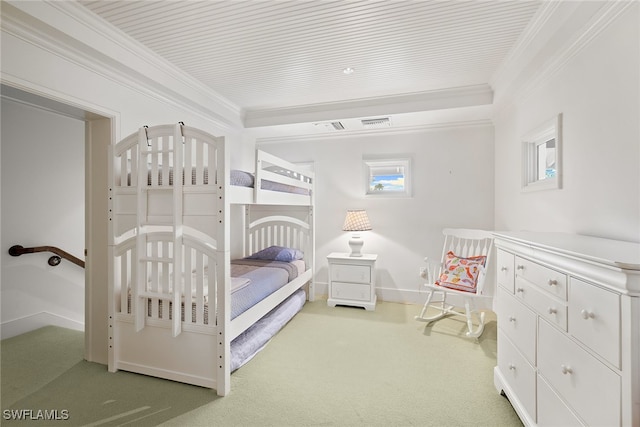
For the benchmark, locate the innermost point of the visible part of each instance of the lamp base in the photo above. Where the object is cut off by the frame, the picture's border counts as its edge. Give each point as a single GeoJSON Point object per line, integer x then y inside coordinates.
{"type": "Point", "coordinates": [355, 243]}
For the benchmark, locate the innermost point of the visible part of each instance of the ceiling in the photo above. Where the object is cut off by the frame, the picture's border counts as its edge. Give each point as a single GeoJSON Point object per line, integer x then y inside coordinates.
{"type": "Point", "coordinates": [266, 56]}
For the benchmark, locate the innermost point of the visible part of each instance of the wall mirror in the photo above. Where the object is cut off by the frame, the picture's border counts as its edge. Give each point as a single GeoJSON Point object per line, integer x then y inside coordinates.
{"type": "Point", "coordinates": [541, 156]}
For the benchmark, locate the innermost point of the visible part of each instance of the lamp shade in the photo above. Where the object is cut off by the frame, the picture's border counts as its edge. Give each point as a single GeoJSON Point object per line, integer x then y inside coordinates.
{"type": "Point", "coordinates": [356, 220]}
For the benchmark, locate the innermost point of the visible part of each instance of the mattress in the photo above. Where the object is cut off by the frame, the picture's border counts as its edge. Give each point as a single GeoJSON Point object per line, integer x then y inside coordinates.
{"type": "Point", "coordinates": [246, 179]}
{"type": "Point", "coordinates": [250, 342]}
{"type": "Point", "coordinates": [252, 279]}
{"type": "Point", "coordinates": [237, 177]}
{"type": "Point", "coordinates": [265, 278]}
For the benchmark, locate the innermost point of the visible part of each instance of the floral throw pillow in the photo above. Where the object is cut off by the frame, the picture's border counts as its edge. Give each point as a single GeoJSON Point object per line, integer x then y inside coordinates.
{"type": "Point", "coordinates": [461, 273]}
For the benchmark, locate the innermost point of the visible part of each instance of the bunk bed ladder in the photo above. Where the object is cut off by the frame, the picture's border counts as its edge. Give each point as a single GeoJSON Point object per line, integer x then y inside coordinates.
{"type": "Point", "coordinates": [145, 226]}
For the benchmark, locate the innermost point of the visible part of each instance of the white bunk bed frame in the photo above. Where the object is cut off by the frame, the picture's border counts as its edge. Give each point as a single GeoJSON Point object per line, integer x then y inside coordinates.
{"type": "Point", "coordinates": [170, 245]}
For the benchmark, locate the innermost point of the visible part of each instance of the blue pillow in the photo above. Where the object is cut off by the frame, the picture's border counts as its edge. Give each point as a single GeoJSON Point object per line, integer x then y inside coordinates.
{"type": "Point", "coordinates": [278, 253]}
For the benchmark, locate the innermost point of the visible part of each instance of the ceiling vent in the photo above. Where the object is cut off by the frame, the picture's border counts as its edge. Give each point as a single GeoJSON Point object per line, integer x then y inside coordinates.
{"type": "Point", "coordinates": [331, 126]}
{"type": "Point", "coordinates": [379, 123]}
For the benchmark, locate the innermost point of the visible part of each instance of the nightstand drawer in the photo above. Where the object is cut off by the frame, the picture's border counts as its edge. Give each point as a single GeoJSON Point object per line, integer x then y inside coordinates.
{"type": "Point", "coordinates": [352, 280]}
{"type": "Point", "coordinates": [351, 273]}
{"type": "Point", "coordinates": [351, 291]}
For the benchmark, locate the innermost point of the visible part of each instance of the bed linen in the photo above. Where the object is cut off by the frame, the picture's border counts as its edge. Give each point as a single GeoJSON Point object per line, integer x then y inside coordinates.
{"type": "Point", "coordinates": [246, 179]}
{"type": "Point", "coordinates": [252, 280]}
{"type": "Point", "coordinates": [265, 276]}
{"type": "Point", "coordinates": [237, 177]}
{"type": "Point", "coordinates": [250, 342]}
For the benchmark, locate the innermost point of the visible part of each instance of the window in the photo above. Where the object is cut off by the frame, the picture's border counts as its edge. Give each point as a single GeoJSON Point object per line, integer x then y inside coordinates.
{"type": "Point", "coordinates": [541, 156]}
{"type": "Point", "coordinates": [388, 177]}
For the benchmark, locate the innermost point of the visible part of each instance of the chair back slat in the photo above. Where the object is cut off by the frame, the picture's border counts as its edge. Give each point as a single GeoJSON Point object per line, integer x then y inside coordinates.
{"type": "Point", "coordinates": [468, 243]}
{"type": "Point", "coordinates": [464, 243]}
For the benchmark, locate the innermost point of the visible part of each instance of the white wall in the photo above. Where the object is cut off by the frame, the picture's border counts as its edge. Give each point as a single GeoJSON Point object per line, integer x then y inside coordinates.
{"type": "Point", "coordinates": [452, 187]}
{"type": "Point", "coordinates": [43, 205]}
{"type": "Point", "coordinates": [598, 93]}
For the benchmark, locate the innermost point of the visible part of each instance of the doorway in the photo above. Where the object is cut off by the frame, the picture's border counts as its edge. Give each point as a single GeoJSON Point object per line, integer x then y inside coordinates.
{"type": "Point", "coordinates": [98, 135]}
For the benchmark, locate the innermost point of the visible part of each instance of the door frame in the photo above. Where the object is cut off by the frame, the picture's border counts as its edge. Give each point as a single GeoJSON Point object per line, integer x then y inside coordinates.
{"type": "Point", "coordinates": [101, 131]}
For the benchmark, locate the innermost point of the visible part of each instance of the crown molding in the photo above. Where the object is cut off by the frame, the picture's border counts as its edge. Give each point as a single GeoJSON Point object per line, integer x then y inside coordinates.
{"type": "Point", "coordinates": [347, 134]}
{"type": "Point", "coordinates": [466, 96]}
{"type": "Point", "coordinates": [596, 25]}
{"type": "Point", "coordinates": [525, 44]}
{"type": "Point", "coordinates": [573, 24]}
{"type": "Point", "coordinates": [61, 28]}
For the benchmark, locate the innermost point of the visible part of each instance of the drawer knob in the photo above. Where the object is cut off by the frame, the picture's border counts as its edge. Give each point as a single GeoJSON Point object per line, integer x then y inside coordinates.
{"type": "Point", "coordinates": [503, 269]}
{"type": "Point", "coordinates": [552, 310]}
{"type": "Point", "coordinates": [520, 267]}
{"type": "Point", "coordinates": [512, 367]}
{"type": "Point", "coordinates": [520, 290]}
{"type": "Point", "coordinates": [512, 319]}
{"type": "Point", "coordinates": [586, 314]}
{"type": "Point", "coordinates": [553, 282]}
{"type": "Point", "coordinates": [566, 369]}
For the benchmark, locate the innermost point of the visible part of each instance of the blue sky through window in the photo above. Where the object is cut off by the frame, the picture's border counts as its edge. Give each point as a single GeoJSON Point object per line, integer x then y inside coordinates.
{"type": "Point", "coordinates": [393, 182]}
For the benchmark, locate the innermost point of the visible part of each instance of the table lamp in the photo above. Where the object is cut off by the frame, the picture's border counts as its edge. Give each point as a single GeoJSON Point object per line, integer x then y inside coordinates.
{"type": "Point", "coordinates": [356, 220]}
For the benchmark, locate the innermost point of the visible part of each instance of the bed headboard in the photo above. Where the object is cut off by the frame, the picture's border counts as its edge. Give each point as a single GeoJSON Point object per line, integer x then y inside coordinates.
{"type": "Point", "coordinates": [289, 226]}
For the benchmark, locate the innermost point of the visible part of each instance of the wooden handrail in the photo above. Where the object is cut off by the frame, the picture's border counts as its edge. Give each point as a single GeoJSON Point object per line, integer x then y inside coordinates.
{"type": "Point", "coordinates": [18, 250]}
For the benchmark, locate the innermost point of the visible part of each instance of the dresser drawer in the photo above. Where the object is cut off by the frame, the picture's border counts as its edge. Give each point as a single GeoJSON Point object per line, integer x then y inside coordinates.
{"type": "Point", "coordinates": [588, 386]}
{"type": "Point", "coordinates": [350, 291]}
{"type": "Point", "coordinates": [553, 310]}
{"type": "Point", "coordinates": [505, 264]}
{"type": "Point", "coordinates": [550, 280]}
{"type": "Point", "coordinates": [351, 273]}
{"type": "Point", "coordinates": [594, 319]}
{"type": "Point", "coordinates": [552, 411]}
{"type": "Point", "coordinates": [518, 373]}
{"type": "Point", "coordinates": [518, 323]}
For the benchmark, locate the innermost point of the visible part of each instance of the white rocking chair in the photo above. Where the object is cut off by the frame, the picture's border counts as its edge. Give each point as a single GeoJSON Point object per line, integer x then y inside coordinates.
{"type": "Point", "coordinates": [467, 247]}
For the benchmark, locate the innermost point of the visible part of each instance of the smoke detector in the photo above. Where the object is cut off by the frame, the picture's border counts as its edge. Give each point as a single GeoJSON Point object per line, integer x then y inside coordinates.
{"type": "Point", "coordinates": [378, 123]}
{"type": "Point", "coordinates": [331, 126]}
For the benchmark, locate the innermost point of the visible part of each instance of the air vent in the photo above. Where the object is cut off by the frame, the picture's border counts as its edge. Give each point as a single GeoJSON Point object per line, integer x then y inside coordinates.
{"type": "Point", "coordinates": [331, 126]}
{"type": "Point", "coordinates": [381, 122]}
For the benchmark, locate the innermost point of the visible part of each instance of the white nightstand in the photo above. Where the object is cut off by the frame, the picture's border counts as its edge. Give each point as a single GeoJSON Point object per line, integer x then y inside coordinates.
{"type": "Point", "coordinates": [352, 280]}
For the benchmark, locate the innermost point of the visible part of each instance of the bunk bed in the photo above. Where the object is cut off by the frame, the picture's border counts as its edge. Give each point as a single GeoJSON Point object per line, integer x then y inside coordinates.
{"type": "Point", "coordinates": [180, 307]}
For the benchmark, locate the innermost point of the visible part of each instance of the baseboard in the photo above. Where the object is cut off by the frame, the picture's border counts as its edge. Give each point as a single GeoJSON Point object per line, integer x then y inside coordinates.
{"type": "Point", "coordinates": [19, 326]}
{"type": "Point", "coordinates": [402, 296]}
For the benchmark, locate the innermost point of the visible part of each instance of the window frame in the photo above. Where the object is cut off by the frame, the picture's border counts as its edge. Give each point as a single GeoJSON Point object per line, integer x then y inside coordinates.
{"type": "Point", "coordinates": [550, 130]}
{"type": "Point", "coordinates": [403, 162]}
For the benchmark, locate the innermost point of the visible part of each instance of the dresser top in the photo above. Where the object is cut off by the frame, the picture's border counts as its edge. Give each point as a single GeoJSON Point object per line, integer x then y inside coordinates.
{"type": "Point", "coordinates": [617, 253]}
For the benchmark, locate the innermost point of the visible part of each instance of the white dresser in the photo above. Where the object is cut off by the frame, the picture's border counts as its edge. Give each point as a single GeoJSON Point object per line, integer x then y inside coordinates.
{"type": "Point", "coordinates": [568, 311]}
{"type": "Point", "coordinates": [352, 280]}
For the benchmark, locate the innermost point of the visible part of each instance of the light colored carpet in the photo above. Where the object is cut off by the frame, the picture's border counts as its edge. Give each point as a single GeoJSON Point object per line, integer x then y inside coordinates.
{"type": "Point", "coordinates": [337, 366]}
